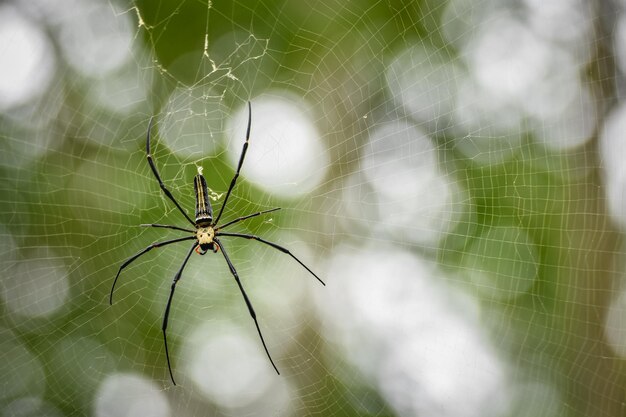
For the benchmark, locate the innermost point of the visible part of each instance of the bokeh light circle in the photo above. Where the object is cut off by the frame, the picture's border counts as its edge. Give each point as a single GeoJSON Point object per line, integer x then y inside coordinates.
{"type": "Point", "coordinates": [94, 39]}
{"type": "Point", "coordinates": [130, 395]}
{"type": "Point", "coordinates": [36, 287]}
{"type": "Point", "coordinates": [615, 324]}
{"type": "Point", "coordinates": [228, 367]}
{"type": "Point", "coordinates": [22, 371]}
{"type": "Point", "coordinates": [286, 155]}
{"type": "Point", "coordinates": [27, 54]}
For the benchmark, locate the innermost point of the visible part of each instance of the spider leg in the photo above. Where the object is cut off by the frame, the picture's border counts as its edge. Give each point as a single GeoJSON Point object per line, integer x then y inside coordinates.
{"type": "Point", "coordinates": [132, 258]}
{"type": "Point", "coordinates": [238, 219]}
{"type": "Point", "coordinates": [167, 308]}
{"type": "Point", "coordinates": [241, 158]}
{"type": "Point", "coordinates": [167, 226]}
{"type": "Point", "coordinates": [274, 245]}
{"type": "Point", "coordinates": [156, 174]}
{"type": "Point", "coordinates": [248, 303]}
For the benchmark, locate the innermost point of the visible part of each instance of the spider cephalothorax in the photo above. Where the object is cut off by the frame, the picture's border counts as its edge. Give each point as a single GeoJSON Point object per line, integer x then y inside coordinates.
{"type": "Point", "coordinates": [205, 236]}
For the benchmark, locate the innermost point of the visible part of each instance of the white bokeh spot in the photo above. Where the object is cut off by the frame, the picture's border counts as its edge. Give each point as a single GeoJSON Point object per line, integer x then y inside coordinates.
{"type": "Point", "coordinates": [230, 368]}
{"type": "Point", "coordinates": [36, 287]}
{"type": "Point", "coordinates": [130, 395]}
{"type": "Point", "coordinates": [414, 199]}
{"type": "Point", "coordinates": [392, 317]}
{"type": "Point", "coordinates": [94, 39]}
{"type": "Point", "coordinates": [28, 60]}
{"type": "Point", "coordinates": [286, 155]}
{"type": "Point", "coordinates": [425, 82]}
{"type": "Point", "coordinates": [615, 324]}
{"type": "Point", "coordinates": [613, 154]}
{"type": "Point", "coordinates": [193, 122]}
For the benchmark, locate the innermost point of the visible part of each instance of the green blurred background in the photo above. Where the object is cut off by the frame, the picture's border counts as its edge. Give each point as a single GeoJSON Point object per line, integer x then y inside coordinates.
{"type": "Point", "coordinates": [453, 171]}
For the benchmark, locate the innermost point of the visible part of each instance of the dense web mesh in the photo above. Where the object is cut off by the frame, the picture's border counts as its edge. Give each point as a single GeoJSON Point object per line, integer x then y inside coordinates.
{"type": "Point", "coordinates": [453, 170]}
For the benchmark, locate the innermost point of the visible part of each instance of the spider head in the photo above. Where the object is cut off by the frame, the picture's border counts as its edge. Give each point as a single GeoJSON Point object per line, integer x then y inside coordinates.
{"type": "Point", "coordinates": [205, 237]}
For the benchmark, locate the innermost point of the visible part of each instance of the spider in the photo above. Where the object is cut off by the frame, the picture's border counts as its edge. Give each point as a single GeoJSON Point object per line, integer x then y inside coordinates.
{"type": "Point", "coordinates": [206, 237]}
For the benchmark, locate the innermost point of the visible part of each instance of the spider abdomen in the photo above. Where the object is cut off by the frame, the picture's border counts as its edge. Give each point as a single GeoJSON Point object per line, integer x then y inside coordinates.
{"type": "Point", "coordinates": [204, 211]}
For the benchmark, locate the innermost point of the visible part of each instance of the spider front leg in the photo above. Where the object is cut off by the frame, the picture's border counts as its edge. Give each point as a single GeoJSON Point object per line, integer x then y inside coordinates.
{"type": "Point", "coordinates": [239, 219]}
{"type": "Point", "coordinates": [168, 226]}
{"type": "Point", "coordinates": [241, 158]}
{"type": "Point", "coordinates": [245, 297]}
{"type": "Point", "coordinates": [132, 258]}
{"type": "Point", "coordinates": [158, 177]}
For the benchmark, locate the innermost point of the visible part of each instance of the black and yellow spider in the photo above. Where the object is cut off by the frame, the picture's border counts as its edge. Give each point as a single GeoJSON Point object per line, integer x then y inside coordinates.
{"type": "Point", "coordinates": [205, 236]}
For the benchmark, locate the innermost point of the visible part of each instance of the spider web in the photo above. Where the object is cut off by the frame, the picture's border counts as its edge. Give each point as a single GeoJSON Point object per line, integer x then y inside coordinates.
{"type": "Point", "coordinates": [452, 170]}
